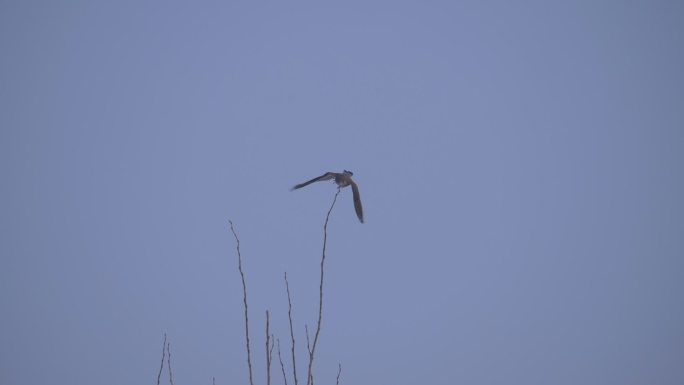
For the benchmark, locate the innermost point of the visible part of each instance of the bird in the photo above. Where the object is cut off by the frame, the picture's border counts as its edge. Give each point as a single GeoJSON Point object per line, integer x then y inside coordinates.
{"type": "Point", "coordinates": [342, 179]}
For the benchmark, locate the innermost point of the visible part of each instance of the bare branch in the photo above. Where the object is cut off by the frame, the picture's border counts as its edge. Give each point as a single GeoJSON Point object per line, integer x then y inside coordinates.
{"type": "Point", "coordinates": [162, 361]}
{"type": "Point", "coordinates": [168, 350]}
{"type": "Point", "coordinates": [308, 346]}
{"type": "Point", "coordinates": [289, 314]}
{"type": "Point", "coordinates": [320, 303]}
{"type": "Point", "coordinates": [268, 354]}
{"type": "Point", "coordinates": [270, 351]}
{"type": "Point", "coordinates": [338, 375]}
{"type": "Point", "coordinates": [244, 290]}
{"type": "Point", "coordinates": [282, 366]}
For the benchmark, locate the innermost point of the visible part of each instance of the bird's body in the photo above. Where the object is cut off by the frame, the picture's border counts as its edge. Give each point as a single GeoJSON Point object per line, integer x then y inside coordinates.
{"type": "Point", "coordinates": [342, 179]}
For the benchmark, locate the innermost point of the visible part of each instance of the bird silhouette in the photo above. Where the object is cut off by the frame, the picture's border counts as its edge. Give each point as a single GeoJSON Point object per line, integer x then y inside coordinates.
{"type": "Point", "coordinates": [342, 179]}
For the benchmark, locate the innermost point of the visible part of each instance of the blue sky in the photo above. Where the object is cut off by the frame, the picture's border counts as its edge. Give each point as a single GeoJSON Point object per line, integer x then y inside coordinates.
{"type": "Point", "coordinates": [519, 166]}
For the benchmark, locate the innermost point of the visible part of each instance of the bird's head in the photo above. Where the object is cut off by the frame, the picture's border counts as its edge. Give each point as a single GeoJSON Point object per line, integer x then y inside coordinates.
{"type": "Point", "coordinates": [348, 173]}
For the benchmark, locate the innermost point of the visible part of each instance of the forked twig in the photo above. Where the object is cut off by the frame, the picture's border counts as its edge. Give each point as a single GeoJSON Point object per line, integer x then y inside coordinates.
{"type": "Point", "coordinates": [309, 379]}
{"type": "Point", "coordinates": [244, 290]}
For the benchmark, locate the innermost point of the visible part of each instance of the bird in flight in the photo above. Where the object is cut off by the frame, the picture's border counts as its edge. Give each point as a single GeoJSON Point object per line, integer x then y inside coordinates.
{"type": "Point", "coordinates": [343, 180]}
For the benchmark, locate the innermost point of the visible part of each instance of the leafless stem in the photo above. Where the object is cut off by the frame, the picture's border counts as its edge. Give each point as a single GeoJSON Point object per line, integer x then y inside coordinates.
{"type": "Point", "coordinates": [282, 366]}
{"type": "Point", "coordinates": [308, 346]}
{"type": "Point", "coordinates": [268, 353]}
{"type": "Point", "coordinates": [168, 350]}
{"type": "Point", "coordinates": [338, 375]}
{"type": "Point", "coordinates": [244, 290]}
{"type": "Point", "coordinates": [162, 361]}
{"type": "Point", "coordinates": [320, 303]}
{"type": "Point", "coordinates": [289, 314]}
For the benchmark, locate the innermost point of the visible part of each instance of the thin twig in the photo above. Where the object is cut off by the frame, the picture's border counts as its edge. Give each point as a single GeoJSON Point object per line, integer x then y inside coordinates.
{"type": "Point", "coordinates": [308, 347]}
{"type": "Point", "coordinates": [162, 362]}
{"type": "Point", "coordinates": [168, 361]}
{"type": "Point", "coordinates": [270, 351]}
{"type": "Point", "coordinates": [338, 375]}
{"type": "Point", "coordinates": [289, 314]}
{"type": "Point", "coordinates": [320, 303]}
{"type": "Point", "coordinates": [244, 290]}
{"type": "Point", "coordinates": [282, 366]}
{"type": "Point", "coordinates": [309, 379]}
{"type": "Point", "coordinates": [213, 381]}
{"type": "Point", "coordinates": [268, 354]}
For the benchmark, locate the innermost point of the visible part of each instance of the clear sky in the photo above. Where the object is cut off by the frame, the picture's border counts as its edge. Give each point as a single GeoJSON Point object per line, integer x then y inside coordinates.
{"type": "Point", "coordinates": [519, 163]}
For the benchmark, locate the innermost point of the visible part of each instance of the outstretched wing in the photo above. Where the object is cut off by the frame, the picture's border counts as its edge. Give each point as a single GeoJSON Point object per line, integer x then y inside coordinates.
{"type": "Point", "coordinates": [357, 201]}
{"type": "Point", "coordinates": [326, 176]}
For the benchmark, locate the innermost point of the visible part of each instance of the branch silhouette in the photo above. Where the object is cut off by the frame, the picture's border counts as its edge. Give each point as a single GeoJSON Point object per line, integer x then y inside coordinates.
{"type": "Point", "coordinates": [311, 348]}
{"type": "Point", "coordinates": [244, 290]}
{"type": "Point", "coordinates": [309, 379]}
{"type": "Point", "coordinates": [289, 314]}
{"type": "Point", "coordinates": [268, 351]}
{"type": "Point", "coordinates": [168, 361]}
{"type": "Point", "coordinates": [282, 366]}
{"type": "Point", "coordinates": [162, 360]}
